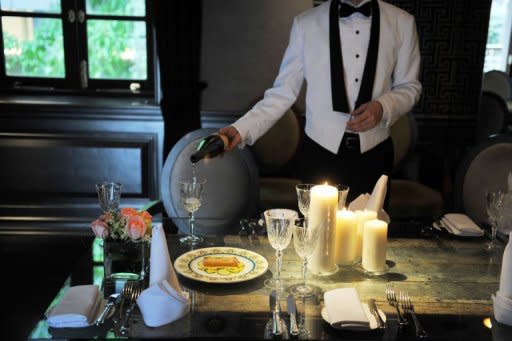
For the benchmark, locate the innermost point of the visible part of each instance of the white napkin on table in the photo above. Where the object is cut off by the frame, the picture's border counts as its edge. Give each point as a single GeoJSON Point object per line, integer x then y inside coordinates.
{"type": "Point", "coordinates": [164, 301]}
{"type": "Point", "coordinates": [345, 310]}
{"type": "Point", "coordinates": [78, 308]}
{"type": "Point", "coordinates": [461, 225]}
{"type": "Point", "coordinates": [373, 202]}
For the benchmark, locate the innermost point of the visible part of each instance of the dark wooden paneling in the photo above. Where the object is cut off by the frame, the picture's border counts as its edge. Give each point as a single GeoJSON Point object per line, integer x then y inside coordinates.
{"type": "Point", "coordinates": [58, 148]}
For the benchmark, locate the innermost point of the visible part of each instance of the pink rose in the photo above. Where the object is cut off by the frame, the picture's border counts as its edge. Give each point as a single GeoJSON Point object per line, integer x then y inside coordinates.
{"type": "Point", "coordinates": [135, 227]}
{"type": "Point", "coordinates": [100, 228]}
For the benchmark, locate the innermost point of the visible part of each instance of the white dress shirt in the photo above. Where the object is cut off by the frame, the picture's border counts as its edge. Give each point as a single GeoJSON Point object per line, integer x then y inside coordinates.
{"type": "Point", "coordinates": [307, 57]}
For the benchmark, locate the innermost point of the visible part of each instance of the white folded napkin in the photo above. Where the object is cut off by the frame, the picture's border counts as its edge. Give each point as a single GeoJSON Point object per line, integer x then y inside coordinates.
{"type": "Point", "coordinates": [345, 310]}
{"type": "Point", "coordinates": [164, 301]}
{"type": "Point", "coordinates": [360, 203]}
{"type": "Point", "coordinates": [78, 308]}
{"type": "Point", "coordinates": [461, 225]}
{"type": "Point", "coordinates": [505, 289]}
{"type": "Point", "coordinates": [376, 200]}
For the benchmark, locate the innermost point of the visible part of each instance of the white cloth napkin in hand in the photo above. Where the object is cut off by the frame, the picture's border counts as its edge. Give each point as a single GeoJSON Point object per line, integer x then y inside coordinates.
{"type": "Point", "coordinates": [78, 308]}
{"type": "Point", "coordinates": [164, 301]}
{"type": "Point", "coordinates": [461, 225]}
{"type": "Point", "coordinates": [345, 310]}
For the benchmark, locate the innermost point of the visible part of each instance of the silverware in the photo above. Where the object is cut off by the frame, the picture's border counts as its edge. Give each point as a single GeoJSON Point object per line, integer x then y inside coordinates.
{"type": "Point", "coordinates": [408, 308]}
{"type": "Point", "coordinates": [112, 300]}
{"type": "Point", "coordinates": [291, 307]}
{"type": "Point", "coordinates": [375, 312]}
{"type": "Point", "coordinates": [133, 292]}
{"type": "Point", "coordinates": [393, 301]}
{"type": "Point", "coordinates": [276, 310]}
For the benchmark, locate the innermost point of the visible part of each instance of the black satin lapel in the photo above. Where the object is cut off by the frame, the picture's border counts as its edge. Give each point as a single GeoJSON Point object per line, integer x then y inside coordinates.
{"type": "Point", "coordinates": [338, 91]}
{"type": "Point", "coordinates": [370, 66]}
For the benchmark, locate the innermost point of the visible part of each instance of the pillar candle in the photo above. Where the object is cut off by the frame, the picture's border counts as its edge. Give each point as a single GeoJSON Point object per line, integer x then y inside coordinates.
{"type": "Point", "coordinates": [375, 243]}
{"type": "Point", "coordinates": [362, 217]}
{"type": "Point", "coordinates": [346, 237]}
{"type": "Point", "coordinates": [322, 215]}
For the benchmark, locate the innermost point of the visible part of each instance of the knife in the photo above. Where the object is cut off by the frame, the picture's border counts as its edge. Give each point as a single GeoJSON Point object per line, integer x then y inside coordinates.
{"type": "Point", "coordinates": [292, 310]}
{"type": "Point", "coordinates": [275, 309]}
{"type": "Point", "coordinates": [375, 312]}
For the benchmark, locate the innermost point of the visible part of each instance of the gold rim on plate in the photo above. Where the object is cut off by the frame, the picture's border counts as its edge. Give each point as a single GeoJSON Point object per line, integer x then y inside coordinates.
{"type": "Point", "coordinates": [189, 265]}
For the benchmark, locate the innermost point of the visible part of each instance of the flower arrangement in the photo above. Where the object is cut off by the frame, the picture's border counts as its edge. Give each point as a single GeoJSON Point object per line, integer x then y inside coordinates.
{"type": "Point", "coordinates": [128, 224]}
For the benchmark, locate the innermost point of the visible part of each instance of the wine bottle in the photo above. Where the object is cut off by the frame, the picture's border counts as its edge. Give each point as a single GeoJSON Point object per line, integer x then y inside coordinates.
{"type": "Point", "coordinates": [209, 147]}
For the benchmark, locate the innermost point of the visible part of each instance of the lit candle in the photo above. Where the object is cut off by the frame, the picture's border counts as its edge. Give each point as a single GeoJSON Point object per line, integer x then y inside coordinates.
{"type": "Point", "coordinates": [322, 215]}
{"type": "Point", "coordinates": [346, 237]}
{"type": "Point", "coordinates": [362, 217]}
{"type": "Point", "coordinates": [375, 243]}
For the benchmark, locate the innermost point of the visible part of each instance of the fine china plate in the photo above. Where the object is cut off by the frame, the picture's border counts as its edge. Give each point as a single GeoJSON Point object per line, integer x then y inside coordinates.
{"type": "Point", "coordinates": [251, 265]}
{"type": "Point", "coordinates": [371, 318]}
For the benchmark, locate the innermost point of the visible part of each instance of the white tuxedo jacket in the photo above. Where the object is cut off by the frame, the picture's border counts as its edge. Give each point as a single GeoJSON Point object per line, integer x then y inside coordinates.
{"type": "Point", "coordinates": [307, 57]}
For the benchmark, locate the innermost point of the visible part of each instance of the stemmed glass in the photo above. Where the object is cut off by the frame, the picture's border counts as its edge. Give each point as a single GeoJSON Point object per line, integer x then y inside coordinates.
{"type": "Point", "coordinates": [305, 238]}
{"type": "Point", "coordinates": [494, 202]}
{"type": "Point", "coordinates": [303, 197]}
{"type": "Point", "coordinates": [342, 195]}
{"type": "Point", "coordinates": [190, 194]}
{"type": "Point", "coordinates": [279, 223]}
{"type": "Point", "coordinates": [109, 195]}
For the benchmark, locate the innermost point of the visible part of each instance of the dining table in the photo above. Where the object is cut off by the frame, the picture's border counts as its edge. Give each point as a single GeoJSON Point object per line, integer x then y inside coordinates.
{"type": "Point", "coordinates": [449, 279]}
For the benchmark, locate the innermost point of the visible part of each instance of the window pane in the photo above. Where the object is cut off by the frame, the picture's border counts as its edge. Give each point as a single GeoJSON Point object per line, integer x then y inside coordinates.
{"type": "Point", "coordinates": [41, 6]}
{"type": "Point", "coordinates": [116, 7]}
{"type": "Point", "coordinates": [117, 49]}
{"type": "Point", "coordinates": [33, 47]}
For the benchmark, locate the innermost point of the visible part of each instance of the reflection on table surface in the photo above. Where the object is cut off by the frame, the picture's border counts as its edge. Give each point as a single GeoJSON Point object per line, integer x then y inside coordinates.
{"type": "Point", "coordinates": [450, 281]}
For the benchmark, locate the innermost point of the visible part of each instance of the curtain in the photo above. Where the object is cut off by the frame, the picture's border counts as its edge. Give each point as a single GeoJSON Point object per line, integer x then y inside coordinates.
{"type": "Point", "coordinates": [178, 39]}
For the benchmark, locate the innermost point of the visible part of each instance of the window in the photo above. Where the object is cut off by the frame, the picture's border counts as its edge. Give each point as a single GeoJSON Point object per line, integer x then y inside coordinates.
{"type": "Point", "coordinates": [498, 36]}
{"type": "Point", "coordinates": [91, 46]}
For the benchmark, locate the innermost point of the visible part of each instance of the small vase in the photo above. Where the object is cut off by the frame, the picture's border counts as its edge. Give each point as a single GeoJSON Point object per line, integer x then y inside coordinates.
{"type": "Point", "coordinates": [125, 260]}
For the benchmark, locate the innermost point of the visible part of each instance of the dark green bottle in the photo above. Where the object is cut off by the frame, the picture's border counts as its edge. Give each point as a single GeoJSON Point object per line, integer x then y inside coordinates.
{"type": "Point", "coordinates": [209, 147]}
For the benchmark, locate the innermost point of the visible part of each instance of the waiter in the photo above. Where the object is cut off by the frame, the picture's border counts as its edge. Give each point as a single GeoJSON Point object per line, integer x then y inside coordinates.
{"type": "Point", "coordinates": [361, 62]}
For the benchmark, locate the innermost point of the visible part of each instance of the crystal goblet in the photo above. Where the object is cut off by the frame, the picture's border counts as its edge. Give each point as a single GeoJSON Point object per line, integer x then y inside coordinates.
{"type": "Point", "coordinates": [494, 202]}
{"type": "Point", "coordinates": [109, 195]}
{"type": "Point", "coordinates": [305, 239]}
{"type": "Point", "coordinates": [279, 229]}
{"type": "Point", "coordinates": [191, 194]}
{"type": "Point", "coordinates": [303, 197]}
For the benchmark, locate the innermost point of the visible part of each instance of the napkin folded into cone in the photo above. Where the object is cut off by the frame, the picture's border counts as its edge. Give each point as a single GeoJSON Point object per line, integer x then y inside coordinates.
{"type": "Point", "coordinates": [375, 201]}
{"type": "Point", "coordinates": [164, 301]}
{"type": "Point", "coordinates": [78, 308]}
{"type": "Point", "coordinates": [502, 301]}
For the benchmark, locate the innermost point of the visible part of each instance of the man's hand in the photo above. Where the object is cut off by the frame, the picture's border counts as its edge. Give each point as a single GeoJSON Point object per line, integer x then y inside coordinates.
{"type": "Point", "coordinates": [233, 136]}
{"type": "Point", "coordinates": [364, 118]}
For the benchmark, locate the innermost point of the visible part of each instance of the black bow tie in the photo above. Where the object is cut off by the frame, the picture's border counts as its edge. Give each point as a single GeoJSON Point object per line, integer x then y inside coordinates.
{"type": "Point", "coordinates": [346, 10]}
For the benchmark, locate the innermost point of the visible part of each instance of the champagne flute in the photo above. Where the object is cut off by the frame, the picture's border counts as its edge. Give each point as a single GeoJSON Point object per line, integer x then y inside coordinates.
{"type": "Point", "coordinates": [279, 228]}
{"type": "Point", "coordinates": [494, 202]}
{"type": "Point", "coordinates": [305, 239]}
{"type": "Point", "coordinates": [303, 197]}
{"type": "Point", "coordinates": [190, 194]}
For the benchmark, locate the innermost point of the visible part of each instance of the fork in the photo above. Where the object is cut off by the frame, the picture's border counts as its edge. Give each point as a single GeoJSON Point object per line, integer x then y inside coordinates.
{"type": "Point", "coordinates": [393, 301]}
{"type": "Point", "coordinates": [131, 292]}
{"type": "Point", "coordinates": [408, 308]}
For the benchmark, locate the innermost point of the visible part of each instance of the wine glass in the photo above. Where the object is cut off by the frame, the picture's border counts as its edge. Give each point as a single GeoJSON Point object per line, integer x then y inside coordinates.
{"type": "Point", "coordinates": [342, 195]}
{"type": "Point", "coordinates": [305, 239]}
{"type": "Point", "coordinates": [303, 197]}
{"type": "Point", "coordinates": [494, 202]}
{"type": "Point", "coordinates": [190, 194]}
{"type": "Point", "coordinates": [109, 195]}
{"type": "Point", "coordinates": [279, 223]}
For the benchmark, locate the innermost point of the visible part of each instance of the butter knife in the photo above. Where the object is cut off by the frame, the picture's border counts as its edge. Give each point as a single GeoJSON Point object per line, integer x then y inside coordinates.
{"type": "Point", "coordinates": [276, 318]}
{"type": "Point", "coordinates": [375, 312]}
{"type": "Point", "coordinates": [292, 310]}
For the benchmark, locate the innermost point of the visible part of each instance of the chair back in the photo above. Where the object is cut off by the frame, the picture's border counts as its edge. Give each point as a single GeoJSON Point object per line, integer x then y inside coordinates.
{"type": "Point", "coordinates": [498, 82]}
{"type": "Point", "coordinates": [484, 167]}
{"type": "Point", "coordinates": [276, 148]}
{"type": "Point", "coordinates": [231, 191]}
{"type": "Point", "coordinates": [404, 135]}
{"type": "Point", "coordinates": [492, 116]}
